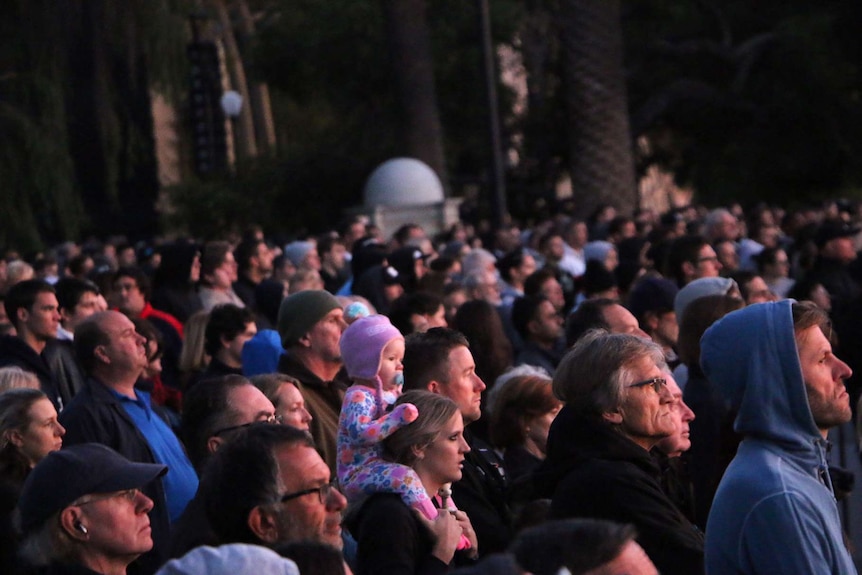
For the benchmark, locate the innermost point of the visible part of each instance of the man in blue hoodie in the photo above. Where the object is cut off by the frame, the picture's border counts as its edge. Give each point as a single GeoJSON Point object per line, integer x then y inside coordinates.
{"type": "Point", "coordinates": [775, 509]}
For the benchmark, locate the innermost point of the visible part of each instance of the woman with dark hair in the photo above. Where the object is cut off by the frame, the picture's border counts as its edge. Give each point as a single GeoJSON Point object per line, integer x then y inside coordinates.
{"type": "Point", "coordinates": [713, 441]}
{"type": "Point", "coordinates": [392, 538]}
{"type": "Point", "coordinates": [175, 280]}
{"type": "Point", "coordinates": [522, 409]}
{"type": "Point", "coordinates": [480, 323]}
{"type": "Point", "coordinates": [29, 431]}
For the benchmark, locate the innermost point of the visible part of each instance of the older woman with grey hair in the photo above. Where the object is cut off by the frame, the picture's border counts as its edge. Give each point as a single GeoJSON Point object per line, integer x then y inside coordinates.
{"type": "Point", "coordinates": [598, 465]}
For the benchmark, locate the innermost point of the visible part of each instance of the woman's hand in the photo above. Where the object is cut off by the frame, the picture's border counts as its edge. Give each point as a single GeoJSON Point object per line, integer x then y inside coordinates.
{"type": "Point", "coordinates": [468, 531]}
{"type": "Point", "coordinates": [447, 532]}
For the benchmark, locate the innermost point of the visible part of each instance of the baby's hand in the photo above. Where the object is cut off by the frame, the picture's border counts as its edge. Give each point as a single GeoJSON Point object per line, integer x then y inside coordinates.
{"type": "Point", "coordinates": [408, 412]}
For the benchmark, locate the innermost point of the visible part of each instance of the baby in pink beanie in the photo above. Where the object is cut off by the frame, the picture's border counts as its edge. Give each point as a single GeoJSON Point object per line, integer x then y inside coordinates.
{"type": "Point", "coordinates": [372, 350]}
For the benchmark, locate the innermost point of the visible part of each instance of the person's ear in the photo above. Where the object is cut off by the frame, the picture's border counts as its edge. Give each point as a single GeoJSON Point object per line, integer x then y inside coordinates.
{"type": "Point", "coordinates": [71, 524]}
{"type": "Point", "coordinates": [418, 452]}
{"type": "Point", "coordinates": [434, 386]}
{"type": "Point", "coordinates": [15, 438]}
{"type": "Point", "coordinates": [651, 321]}
{"type": "Point", "coordinates": [100, 354]}
{"type": "Point", "coordinates": [213, 444]}
{"type": "Point", "coordinates": [263, 524]}
{"type": "Point", "coordinates": [532, 326]}
{"type": "Point", "coordinates": [305, 341]}
{"type": "Point", "coordinates": [23, 314]}
{"type": "Point", "coordinates": [615, 417]}
{"type": "Point", "coordinates": [225, 342]}
{"type": "Point", "coordinates": [688, 268]}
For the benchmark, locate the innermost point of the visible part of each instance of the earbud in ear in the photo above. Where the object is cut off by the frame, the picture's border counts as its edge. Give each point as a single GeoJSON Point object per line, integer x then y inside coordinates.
{"type": "Point", "coordinates": [80, 527]}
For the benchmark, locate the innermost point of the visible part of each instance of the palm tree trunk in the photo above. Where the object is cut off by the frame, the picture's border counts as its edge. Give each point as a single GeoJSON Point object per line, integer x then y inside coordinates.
{"type": "Point", "coordinates": [600, 146]}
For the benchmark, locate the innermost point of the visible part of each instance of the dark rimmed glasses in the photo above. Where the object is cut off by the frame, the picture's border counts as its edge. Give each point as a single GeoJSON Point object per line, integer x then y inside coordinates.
{"type": "Point", "coordinates": [323, 493]}
{"type": "Point", "coordinates": [657, 383]}
{"type": "Point", "coordinates": [273, 419]}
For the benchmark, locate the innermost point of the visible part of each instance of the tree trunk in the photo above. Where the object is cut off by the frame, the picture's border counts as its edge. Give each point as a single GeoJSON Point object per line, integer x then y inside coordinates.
{"type": "Point", "coordinates": [413, 70]}
{"type": "Point", "coordinates": [600, 146]}
{"type": "Point", "coordinates": [245, 140]}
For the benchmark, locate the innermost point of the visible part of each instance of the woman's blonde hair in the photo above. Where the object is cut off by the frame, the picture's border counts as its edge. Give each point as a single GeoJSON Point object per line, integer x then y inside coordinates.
{"type": "Point", "coordinates": [434, 412]}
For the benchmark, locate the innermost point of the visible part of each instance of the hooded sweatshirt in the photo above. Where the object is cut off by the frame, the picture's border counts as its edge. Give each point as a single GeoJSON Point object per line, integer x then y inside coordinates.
{"type": "Point", "coordinates": [774, 511]}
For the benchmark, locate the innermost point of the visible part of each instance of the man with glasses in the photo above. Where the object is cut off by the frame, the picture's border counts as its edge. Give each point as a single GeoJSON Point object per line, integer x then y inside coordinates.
{"type": "Point", "coordinates": [214, 412]}
{"type": "Point", "coordinates": [82, 510]}
{"type": "Point", "coordinates": [618, 407]}
{"type": "Point", "coordinates": [111, 411]}
{"type": "Point", "coordinates": [690, 258]}
{"type": "Point", "coordinates": [268, 485]}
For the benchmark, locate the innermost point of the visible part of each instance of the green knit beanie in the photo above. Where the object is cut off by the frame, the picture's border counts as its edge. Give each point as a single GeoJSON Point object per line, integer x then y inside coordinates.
{"type": "Point", "coordinates": [299, 312]}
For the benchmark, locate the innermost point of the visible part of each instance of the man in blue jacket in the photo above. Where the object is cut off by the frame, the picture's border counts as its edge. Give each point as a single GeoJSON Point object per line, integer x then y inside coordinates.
{"type": "Point", "coordinates": [775, 510]}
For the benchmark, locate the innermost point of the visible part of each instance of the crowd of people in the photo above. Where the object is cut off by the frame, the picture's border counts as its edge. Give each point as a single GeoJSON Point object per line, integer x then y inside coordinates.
{"type": "Point", "coordinates": [626, 394]}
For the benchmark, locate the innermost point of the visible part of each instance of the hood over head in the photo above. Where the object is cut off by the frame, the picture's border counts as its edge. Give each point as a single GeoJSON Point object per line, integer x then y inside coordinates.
{"type": "Point", "coordinates": [750, 356]}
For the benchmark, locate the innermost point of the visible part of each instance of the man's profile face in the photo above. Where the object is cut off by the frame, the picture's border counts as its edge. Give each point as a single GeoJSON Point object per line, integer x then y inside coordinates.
{"type": "Point", "coordinates": [306, 517]}
{"type": "Point", "coordinates": [463, 386]}
{"type": "Point", "coordinates": [234, 346]}
{"type": "Point", "coordinates": [126, 348]}
{"type": "Point", "coordinates": [87, 305]}
{"type": "Point", "coordinates": [130, 298]}
{"type": "Point", "coordinates": [325, 335]}
{"type": "Point", "coordinates": [264, 257]}
{"type": "Point", "coordinates": [707, 264]}
{"type": "Point", "coordinates": [647, 412]}
{"type": "Point", "coordinates": [43, 319]}
{"type": "Point", "coordinates": [824, 375]}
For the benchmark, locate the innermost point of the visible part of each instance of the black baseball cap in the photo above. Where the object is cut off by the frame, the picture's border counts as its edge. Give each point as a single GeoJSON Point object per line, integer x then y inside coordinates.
{"type": "Point", "coordinates": [66, 475]}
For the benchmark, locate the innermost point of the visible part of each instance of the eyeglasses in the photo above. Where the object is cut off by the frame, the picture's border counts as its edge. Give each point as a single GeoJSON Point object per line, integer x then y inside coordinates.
{"type": "Point", "coordinates": [657, 383]}
{"type": "Point", "coordinates": [272, 419]}
{"type": "Point", "coordinates": [323, 493]}
{"type": "Point", "coordinates": [130, 495]}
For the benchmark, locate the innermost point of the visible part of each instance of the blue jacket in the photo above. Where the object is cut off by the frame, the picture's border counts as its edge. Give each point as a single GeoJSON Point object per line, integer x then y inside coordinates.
{"type": "Point", "coordinates": [774, 511]}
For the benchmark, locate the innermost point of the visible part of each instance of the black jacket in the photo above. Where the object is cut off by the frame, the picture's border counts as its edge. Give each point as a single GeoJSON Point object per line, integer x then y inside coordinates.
{"type": "Point", "coordinates": [481, 494]}
{"type": "Point", "coordinates": [65, 369]}
{"type": "Point", "coordinates": [96, 415]}
{"type": "Point", "coordinates": [593, 471]}
{"type": "Point", "coordinates": [15, 352]}
{"type": "Point", "coordinates": [323, 401]}
{"type": "Point", "coordinates": [391, 539]}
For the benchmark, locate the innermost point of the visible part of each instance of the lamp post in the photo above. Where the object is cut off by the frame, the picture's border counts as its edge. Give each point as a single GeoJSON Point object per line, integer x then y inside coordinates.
{"type": "Point", "coordinates": [497, 179]}
{"type": "Point", "coordinates": [231, 105]}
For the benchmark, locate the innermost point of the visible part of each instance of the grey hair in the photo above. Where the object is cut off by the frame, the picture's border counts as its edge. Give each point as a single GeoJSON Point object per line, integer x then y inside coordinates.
{"type": "Point", "coordinates": [524, 370]}
{"type": "Point", "coordinates": [593, 376]}
{"type": "Point", "coordinates": [476, 259]}
{"type": "Point", "coordinates": [13, 377]}
{"type": "Point", "coordinates": [47, 544]}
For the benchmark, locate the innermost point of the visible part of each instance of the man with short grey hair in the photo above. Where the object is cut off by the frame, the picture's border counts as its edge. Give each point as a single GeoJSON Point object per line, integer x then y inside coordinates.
{"type": "Point", "coordinates": [617, 408]}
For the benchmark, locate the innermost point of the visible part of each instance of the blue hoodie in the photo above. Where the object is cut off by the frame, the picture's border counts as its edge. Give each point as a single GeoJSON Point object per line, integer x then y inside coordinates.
{"type": "Point", "coordinates": [774, 511]}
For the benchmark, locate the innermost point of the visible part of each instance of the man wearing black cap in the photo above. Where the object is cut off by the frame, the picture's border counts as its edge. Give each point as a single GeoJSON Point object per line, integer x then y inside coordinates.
{"type": "Point", "coordinates": [83, 511]}
{"type": "Point", "coordinates": [310, 324]}
{"type": "Point", "coordinates": [836, 251]}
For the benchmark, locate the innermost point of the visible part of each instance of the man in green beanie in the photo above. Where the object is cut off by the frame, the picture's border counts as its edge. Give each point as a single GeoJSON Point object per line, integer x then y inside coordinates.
{"type": "Point", "coordinates": [310, 323]}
